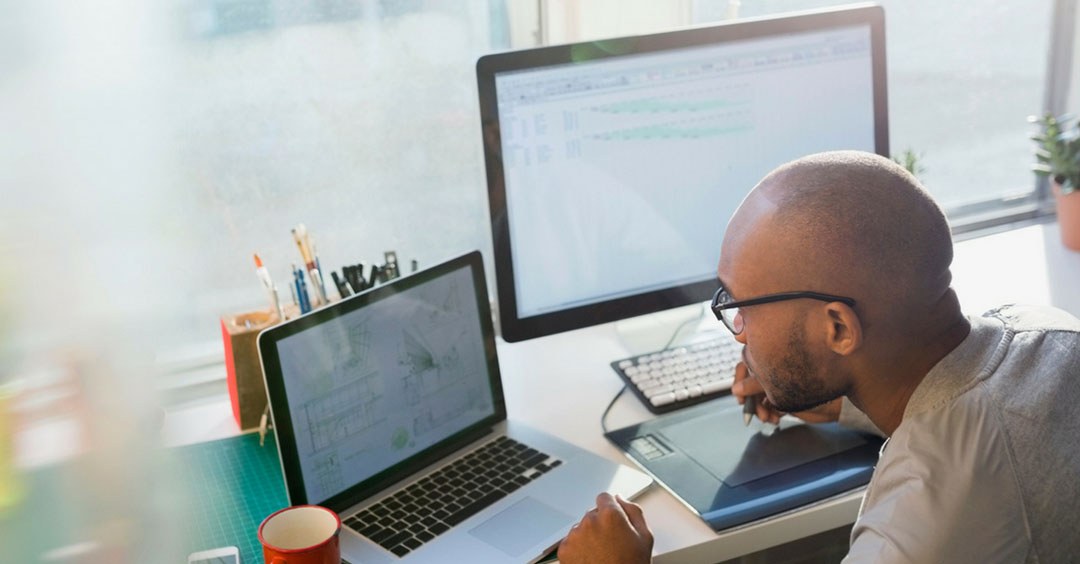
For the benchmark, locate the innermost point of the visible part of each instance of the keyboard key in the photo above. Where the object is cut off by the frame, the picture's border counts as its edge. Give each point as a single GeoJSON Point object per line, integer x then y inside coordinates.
{"type": "Point", "coordinates": [717, 385]}
{"type": "Point", "coordinates": [370, 531]}
{"type": "Point", "coordinates": [662, 399]}
{"type": "Point", "coordinates": [473, 508]}
{"type": "Point", "coordinates": [439, 528]}
{"type": "Point", "coordinates": [394, 540]}
{"type": "Point", "coordinates": [400, 550]}
{"type": "Point", "coordinates": [413, 544]}
{"type": "Point", "coordinates": [380, 536]}
{"type": "Point", "coordinates": [424, 536]}
{"type": "Point", "coordinates": [535, 459]}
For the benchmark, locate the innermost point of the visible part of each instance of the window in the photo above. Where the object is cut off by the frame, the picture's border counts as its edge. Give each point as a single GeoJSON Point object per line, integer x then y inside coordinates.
{"type": "Point", "coordinates": [159, 147]}
{"type": "Point", "coordinates": [963, 77]}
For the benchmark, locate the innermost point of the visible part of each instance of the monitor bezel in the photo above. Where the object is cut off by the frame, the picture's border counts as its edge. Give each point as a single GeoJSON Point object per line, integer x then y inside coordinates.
{"type": "Point", "coordinates": [515, 328]}
{"type": "Point", "coordinates": [279, 403]}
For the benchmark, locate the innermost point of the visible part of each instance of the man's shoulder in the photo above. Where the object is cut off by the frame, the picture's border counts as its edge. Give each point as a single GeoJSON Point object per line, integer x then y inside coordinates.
{"type": "Point", "coordinates": [953, 433]}
{"type": "Point", "coordinates": [1021, 318]}
{"type": "Point", "coordinates": [928, 496]}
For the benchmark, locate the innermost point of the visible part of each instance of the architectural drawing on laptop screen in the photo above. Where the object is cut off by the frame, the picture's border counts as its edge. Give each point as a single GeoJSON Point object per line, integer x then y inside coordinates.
{"type": "Point", "coordinates": [380, 384]}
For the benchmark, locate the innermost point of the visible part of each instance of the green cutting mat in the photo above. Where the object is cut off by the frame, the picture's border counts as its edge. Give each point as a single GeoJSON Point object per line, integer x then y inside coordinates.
{"type": "Point", "coordinates": [235, 484]}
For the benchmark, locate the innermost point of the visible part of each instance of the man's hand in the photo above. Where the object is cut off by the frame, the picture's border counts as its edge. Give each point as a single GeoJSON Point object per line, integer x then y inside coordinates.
{"type": "Point", "coordinates": [613, 533]}
{"type": "Point", "coordinates": [747, 385]}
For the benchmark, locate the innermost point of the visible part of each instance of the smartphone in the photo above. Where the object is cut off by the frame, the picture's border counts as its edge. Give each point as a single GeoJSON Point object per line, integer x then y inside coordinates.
{"type": "Point", "coordinates": [226, 555]}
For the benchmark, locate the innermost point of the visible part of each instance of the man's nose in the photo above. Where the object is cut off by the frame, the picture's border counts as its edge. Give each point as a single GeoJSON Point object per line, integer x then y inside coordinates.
{"type": "Point", "coordinates": [737, 321]}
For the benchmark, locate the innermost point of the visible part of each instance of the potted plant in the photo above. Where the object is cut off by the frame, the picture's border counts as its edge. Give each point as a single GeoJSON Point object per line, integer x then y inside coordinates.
{"type": "Point", "coordinates": [1058, 156]}
{"type": "Point", "coordinates": [911, 161]}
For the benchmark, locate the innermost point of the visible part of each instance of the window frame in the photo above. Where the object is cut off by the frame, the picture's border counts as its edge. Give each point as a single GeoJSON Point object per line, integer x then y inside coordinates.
{"type": "Point", "coordinates": [180, 375]}
{"type": "Point", "coordinates": [992, 215]}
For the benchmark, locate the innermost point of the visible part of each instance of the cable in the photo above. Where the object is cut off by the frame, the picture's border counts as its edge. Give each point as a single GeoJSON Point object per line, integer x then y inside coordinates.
{"type": "Point", "coordinates": [681, 326]}
{"type": "Point", "coordinates": [603, 418]}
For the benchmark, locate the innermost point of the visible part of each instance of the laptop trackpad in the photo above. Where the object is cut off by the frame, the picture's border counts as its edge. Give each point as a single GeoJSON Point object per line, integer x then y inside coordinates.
{"type": "Point", "coordinates": [520, 526]}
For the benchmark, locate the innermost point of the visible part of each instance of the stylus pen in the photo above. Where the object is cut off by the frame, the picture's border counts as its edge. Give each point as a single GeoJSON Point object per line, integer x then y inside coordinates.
{"type": "Point", "coordinates": [749, 405]}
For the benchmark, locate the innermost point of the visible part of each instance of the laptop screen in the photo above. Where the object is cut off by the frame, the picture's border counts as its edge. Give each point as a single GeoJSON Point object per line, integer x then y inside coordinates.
{"type": "Point", "coordinates": [386, 381]}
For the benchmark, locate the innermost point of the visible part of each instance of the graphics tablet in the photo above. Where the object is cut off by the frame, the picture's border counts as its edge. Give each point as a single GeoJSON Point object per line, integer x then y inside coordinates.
{"type": "Point", "coordinates": [731, 474]}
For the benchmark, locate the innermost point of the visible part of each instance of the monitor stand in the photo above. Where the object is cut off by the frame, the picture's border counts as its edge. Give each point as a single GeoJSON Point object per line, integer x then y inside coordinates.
{"type": "Point", "coordinates": [649, 333]}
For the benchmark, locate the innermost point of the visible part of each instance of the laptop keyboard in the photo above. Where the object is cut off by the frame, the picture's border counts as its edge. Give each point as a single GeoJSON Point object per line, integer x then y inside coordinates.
{"type": "Point", "coordinates": [414, 515]}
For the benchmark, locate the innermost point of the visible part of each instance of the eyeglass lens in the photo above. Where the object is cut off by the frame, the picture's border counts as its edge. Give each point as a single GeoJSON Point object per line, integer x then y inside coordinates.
{"type": "Point", "coordinates": [732, 320]}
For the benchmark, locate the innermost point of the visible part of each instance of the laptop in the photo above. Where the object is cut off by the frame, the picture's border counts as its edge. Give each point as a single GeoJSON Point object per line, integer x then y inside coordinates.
{"type": "Point", "coordinates": [388, 409]}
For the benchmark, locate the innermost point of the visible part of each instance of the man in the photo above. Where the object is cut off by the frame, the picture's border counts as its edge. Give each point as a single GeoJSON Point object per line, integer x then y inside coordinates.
{"type": "Point", "coordinates": [982, 463]}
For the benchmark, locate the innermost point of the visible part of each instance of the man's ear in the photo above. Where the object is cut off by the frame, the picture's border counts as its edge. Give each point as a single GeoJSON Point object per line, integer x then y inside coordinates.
{"type": "Point", "coordinates": [844, 334]}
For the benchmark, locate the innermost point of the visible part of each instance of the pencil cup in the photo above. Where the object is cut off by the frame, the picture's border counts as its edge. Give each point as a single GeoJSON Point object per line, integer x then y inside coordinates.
{"type": "Point", "coordinates": [246, 388]}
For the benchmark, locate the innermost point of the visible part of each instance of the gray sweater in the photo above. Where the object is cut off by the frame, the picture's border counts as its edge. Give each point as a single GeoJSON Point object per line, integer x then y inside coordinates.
{"type": "Point", "coordinates": [985, 466]}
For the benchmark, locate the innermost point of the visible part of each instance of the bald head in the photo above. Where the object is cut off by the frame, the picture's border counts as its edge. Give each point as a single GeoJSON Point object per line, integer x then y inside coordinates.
{"type": "Point", "coordinates": [847, 223]}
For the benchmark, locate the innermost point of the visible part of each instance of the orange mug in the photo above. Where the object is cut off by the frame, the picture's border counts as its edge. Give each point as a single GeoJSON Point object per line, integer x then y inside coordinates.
{"type": "Point", "coordinates": [302, 534]}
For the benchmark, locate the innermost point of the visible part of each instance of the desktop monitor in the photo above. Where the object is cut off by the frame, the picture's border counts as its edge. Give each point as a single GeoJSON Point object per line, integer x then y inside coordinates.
{"type": "Point", "coordinates": [613, 166]}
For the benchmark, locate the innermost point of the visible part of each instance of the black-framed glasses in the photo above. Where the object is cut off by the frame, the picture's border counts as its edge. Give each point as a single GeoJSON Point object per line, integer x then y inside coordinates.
{"type": "Point", "coordinates": [726, 309]}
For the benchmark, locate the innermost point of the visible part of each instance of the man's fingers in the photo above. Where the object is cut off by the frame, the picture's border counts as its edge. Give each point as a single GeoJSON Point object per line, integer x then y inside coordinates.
{"type": "Point", "coordinates": [737, 388]}
{"type": "Point", "coordinates": [606, 501]}
{"type": "Point", "coordinates": [634, 513]}
{"type": "Point", "coordinates": [611, 511]}
{"type": "Point", "coordinates": [745, 384]}
{"type": "Point", "coordinates": [740, 371]}
{"type": "Point", "coordinates": [763, 412]}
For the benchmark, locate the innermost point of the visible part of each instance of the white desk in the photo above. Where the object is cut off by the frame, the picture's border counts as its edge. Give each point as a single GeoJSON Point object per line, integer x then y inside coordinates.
{"type": "Point", "coordinates": [562, 383]}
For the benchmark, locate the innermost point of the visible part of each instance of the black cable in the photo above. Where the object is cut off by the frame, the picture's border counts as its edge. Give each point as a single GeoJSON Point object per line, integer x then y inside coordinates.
{"type": "Point", "coordinates": [603, 418]}
{"type": "Point", "coordinates": [680, 328]}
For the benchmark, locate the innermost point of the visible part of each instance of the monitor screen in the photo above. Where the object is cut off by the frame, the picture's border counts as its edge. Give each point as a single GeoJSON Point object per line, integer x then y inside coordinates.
{"type": "Point", "coordinates": [619, 163]}
{"type": "Point", "coordinates": [385, 382]}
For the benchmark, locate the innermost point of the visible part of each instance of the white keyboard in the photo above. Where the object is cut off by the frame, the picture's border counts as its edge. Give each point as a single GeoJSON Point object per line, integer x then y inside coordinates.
{"type": "Point", "coordinates": [674, 378]}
